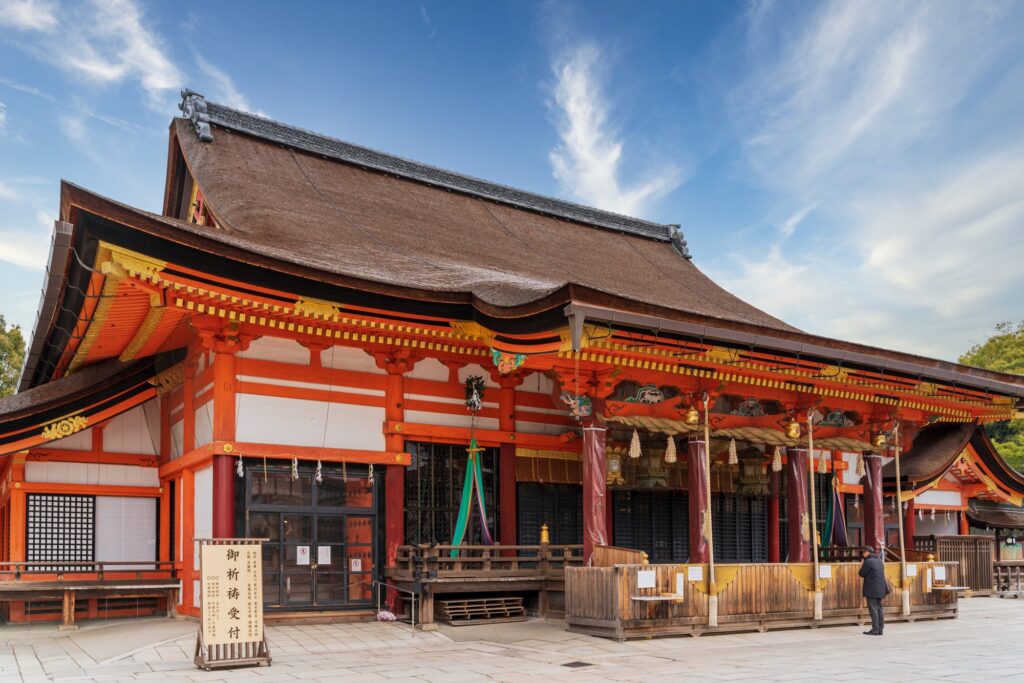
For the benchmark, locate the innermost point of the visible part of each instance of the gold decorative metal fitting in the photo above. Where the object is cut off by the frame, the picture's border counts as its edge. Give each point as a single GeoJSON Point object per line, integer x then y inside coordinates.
{"type": "Point", "coordinates": [879, 440]}
{"type": "Point", "coordinates": [692, 416]}
{"type": "Point", "coordinates": [65, 427]}
{"type": "Point", "coordinates": [545, 539]}
{"type": "Point", "coordinates": [793, 430]}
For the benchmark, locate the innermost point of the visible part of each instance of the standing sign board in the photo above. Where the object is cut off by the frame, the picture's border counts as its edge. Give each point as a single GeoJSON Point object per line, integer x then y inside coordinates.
{"type": "Point", "coordinates": [231, 607]}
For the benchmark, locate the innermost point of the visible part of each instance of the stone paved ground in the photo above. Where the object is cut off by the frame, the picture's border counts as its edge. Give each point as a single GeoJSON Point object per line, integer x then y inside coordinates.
{"type": "Point", "coordinates": [983, 644]}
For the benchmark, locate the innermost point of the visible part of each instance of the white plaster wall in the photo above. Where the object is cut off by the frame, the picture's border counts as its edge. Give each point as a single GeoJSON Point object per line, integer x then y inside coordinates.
{"type": "Point", "coordinates": [940, 526]}
{"type": "Point", "coordinates": [298, 422]}
{"type": "Point", "coordinates": [177, 438]}
{"type": "Point", "coordinates": [203, 519]}
{"type": "Point", "coordinates": [277, 349]}
{"type": "Point", "coordinates": [204, 424]}
{"type": "Point", "coordinates": [81, 441]}
{"type": "Point", "coordinates": [449, 420]}
{"type": "Point", "coordinates": [935, 497]}
{"type": "Point", "coordinates": [90, 473]}
{"type": "Point", "coordinates": [537, 383]}
{"type": "Point", "coordinates": [130, 432]}
{"type": "Point", "coordinates": [349, 358]}
{"type": "Point", "coordinates": [126, 529]}
{"type": "Point", "coordinates": [476, 369]}
{"type": "Point", "coordinates": [541, 427]}
{"type": "Point", "coordinates": [310, 385]}
{"type": "Point", "coordinates": [850, 475]}
{"type": "Point", "coordinates": [430, 368]}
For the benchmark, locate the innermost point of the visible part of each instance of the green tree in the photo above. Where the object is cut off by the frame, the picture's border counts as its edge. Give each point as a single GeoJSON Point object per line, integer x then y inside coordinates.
{"type": "Point", "coordinates": [1004, 352]}
{"type": "Point", "coordinates": [12, 354]}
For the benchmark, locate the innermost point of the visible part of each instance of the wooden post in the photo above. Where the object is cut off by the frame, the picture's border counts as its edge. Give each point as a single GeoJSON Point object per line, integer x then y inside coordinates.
{"type": "Point", "coordinates": [223, 430]}
{"type": "Point", "coordinates": [874, 504]}
{"type": "Point", "coordinates": [67, 622]}
{"type": "Point", "coordinates": [507, 532]}
{"type": "Point", "coordinates": [910, 524]}
{"type": "Point", "coordinates": [188, 531]}
{"type": "Point", "coordinates": [773, 517]}
{"type": "Point", "coordinates": [798, 517]}
{"type": "Point", "coordinates": [595, 488]}
{"type": "Point", "coordinates": [965, 527]}
{"type": "Point", "coordinates": [697, 474]}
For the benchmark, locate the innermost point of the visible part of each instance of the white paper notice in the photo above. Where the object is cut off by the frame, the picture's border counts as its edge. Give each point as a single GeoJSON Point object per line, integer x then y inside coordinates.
{"type": "Point", "coordinates": [911, 570]}
{"type": "Point", "coordinates": [940, 573]}
{"type": "Point", "coordinates": [824, 571]}
{"type": "Point", "coordinates": [695, 573]}
{"type": "Point", "coordinates": [302, 555]}
{"type": "Point", "coordinates": [928, 579]}
{"type": "Point", "coordinates": [355, 564]}
{"type": "Point", "coordinates": [680, 584]}
{"type": "Point", "coordinates": [323, 555]}
{"type": "Point", "coordinates": [646, 578]}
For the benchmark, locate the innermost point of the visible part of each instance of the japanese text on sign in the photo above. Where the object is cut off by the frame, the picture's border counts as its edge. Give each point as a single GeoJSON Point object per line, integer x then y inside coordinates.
{"type": "Point", "coordinates": [232, 593]}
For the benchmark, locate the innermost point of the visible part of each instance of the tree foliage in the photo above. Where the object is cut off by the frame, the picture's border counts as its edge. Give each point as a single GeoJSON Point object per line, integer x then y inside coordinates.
{"type": "Point", "coordinates": [1004, 352]}
{"type": "Point", "coordinates": [12, 354]}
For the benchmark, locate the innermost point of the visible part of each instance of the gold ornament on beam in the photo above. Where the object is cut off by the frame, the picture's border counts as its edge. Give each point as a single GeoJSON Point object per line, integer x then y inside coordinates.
{"type": "Point", "coordinates": [733, 457]}
{"type": "Point", "coordinates": [670, 450]}
{"type": "Point", "coordinates": [65, 427]}
{"type": "Point", "coordinates": [634, 446]}
{"type": "Point", "coordinates": [777, 460]}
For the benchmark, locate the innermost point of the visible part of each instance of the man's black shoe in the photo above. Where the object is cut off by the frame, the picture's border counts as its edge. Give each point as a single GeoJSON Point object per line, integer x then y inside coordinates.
{"type": "Point", "coordinates": [871, 633]}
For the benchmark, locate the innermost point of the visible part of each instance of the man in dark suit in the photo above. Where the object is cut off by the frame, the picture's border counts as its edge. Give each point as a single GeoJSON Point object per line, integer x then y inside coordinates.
{"type": "Point", "coordinates": [875, 589]}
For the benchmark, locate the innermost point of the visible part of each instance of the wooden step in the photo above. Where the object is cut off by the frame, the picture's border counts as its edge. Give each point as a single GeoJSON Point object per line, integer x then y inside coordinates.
{"type": "Point", "coordinates": [463, 611]}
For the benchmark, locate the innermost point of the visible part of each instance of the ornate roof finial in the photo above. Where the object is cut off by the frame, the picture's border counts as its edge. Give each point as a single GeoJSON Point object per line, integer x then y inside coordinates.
{"type": "Point", "coordinates": [678, 243]}
{"type": "Point", "coordinates": [193, 106]}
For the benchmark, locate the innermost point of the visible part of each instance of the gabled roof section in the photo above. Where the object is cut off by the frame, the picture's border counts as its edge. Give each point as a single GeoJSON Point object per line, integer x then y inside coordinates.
{"type": "Point", "coordinates": [275, 193]}
{"type": "Point", "coordinates": [206, 115]}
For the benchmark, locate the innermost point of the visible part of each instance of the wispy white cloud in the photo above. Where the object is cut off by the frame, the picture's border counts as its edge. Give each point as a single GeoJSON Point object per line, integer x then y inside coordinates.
{"type": "Point", "coordinates": [425, 18]}
{"type": "Point", "coordinates": [106, 41]}
{"type": "Point", "coordinates": [877, 119]}
{"type": "Point", "coordinates": [27, 248]}
{"type": "Point", "coordinates": [34, 15]}
{"type": "Point", "coordinates": [3, 117]}
{"type": "Point", "coordinates": [588, 161]}
{"type": "Point", "coordinates": [224, 90]}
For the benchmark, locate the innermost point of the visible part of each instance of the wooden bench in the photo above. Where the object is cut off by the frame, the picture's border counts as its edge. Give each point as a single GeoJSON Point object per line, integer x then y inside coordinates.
{"type": "Point", "coordinates": [70, 581]}
{"type": "Point", "coordinates": [463, 611]}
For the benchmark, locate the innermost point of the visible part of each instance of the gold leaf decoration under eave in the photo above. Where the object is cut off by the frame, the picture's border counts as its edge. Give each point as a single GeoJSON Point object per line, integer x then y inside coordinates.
{"type": "Point", "coordinates": [317, 308]}
{"type": "Point", "coordinates": [123, 263]}
{"type": "Point", "coordinates": [169, 379]}
{"type": "Point", "coordinates": [65, 427]}
{"type": "Point", "coordinates": [473, 330]}
{"type": "Point", "coordinates": [834, 373]}
{"type": "Point", "coordinates": [720, 354]}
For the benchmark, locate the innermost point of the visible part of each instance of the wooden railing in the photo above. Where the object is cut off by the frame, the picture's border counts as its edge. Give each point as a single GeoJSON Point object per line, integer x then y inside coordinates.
{"type": "Point", "coordinates": [426, 563]}
{"type": "Point", "coordinates": [1008, 577]}
{"type": "Point", "coordinates": [974, 554]}
{"type": "Point", "coordinates": [59, 570]}
{"type": "Point", "coordinates": [608, 555]}
{"type": "Point", "coordinates": [615, 602]}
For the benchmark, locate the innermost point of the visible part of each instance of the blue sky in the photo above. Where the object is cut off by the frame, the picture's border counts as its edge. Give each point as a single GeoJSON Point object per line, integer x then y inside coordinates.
{"type": "Point", "coordinates": [855, 168]}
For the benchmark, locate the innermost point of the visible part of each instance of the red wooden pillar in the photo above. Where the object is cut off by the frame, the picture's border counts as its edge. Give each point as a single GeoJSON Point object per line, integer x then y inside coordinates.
{"type": "Point", "coordinates": [507, 459]}
{"type": "Point", "coordinates": [394, 487]}
{"type": "Point", "coordinates": [798, 510]}
{"type": "Point", "coordinates": [697, 479]}
{"type": "Point", "coordinates": [223, 430]}
{"type": "Point", "coordinates": [595, 488]}
{"type": "Point", "coordinates": [874, 505]}
{"type": "Point", "coordinates": [773, 517]}
{"type": "Point", "coordinates": [965, 527]}
{"type": "Point", "coordinates": [910, 524]}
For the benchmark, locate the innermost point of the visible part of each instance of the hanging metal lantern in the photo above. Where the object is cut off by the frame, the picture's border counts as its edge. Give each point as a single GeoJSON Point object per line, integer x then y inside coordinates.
{"type": "Point", "coordinates": [879, 440]}
{"type": "Point", "coordinates": [692, 416]}
{"type": "Point", "coordinates": [793, 430]}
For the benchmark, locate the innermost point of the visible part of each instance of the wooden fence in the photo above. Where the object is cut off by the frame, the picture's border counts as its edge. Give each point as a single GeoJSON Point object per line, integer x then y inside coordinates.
{"type": "Point", "coordinates": [633, 601]}
{"type": "Point", "coordinates": [974, 554]}
{"type": "Point", "coordinates": [1008, 577]}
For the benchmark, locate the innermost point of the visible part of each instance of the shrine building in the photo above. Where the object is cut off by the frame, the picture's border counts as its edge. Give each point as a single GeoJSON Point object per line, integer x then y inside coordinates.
{"type": "Point", "coordinates": [292, 347]}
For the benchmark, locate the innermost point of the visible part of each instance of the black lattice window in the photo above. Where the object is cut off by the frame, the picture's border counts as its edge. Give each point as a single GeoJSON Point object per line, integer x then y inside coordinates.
{"type": "Point", "coordinates": [61, 528]}
{"type": "Point", "coordinates": [740, 527]}
{"type": "Point", "coordinates": [656, 522]}
{"type": "Point", "coordinates": [560, 506]}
